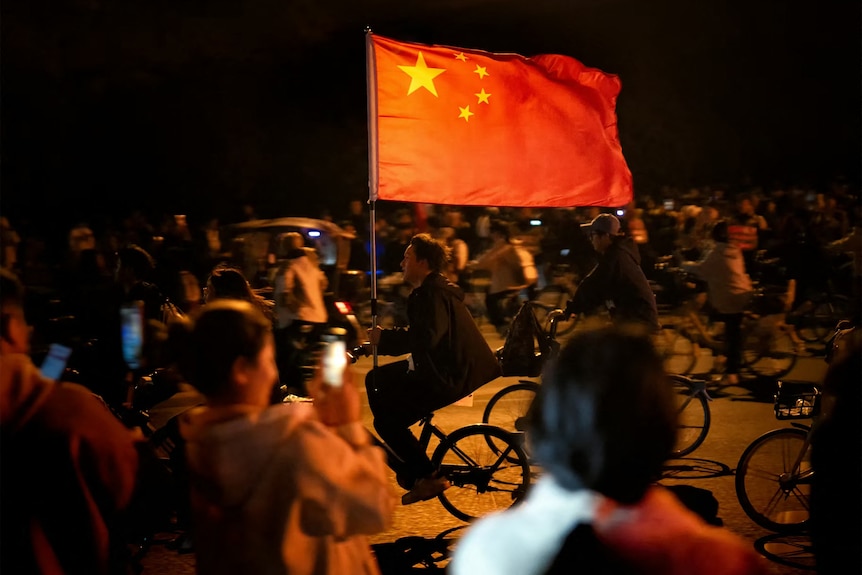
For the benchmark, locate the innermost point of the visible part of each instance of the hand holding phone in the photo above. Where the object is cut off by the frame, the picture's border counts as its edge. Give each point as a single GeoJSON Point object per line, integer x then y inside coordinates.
{"type": "Point", "coordinates": [334, 356]}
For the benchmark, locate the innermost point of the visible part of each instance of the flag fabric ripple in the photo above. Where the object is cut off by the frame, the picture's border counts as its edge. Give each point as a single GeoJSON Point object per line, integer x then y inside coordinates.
{"type": "Point", "coordinates": [468, 127]}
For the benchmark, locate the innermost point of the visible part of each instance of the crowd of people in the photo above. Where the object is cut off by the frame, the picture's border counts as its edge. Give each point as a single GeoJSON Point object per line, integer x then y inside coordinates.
{"type": "Point", "coordinates": [297, 487]}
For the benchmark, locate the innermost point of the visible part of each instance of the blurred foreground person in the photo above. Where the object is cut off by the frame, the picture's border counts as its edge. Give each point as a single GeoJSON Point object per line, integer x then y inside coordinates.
{"type": "Point", "coordinates": [286, 488]}
{"type": "Point", "coordinates": [601, 426]}
{"type": "Point", "coordinates": [836, 457]}
{"type": "Point", "coordinates": [69, 467]}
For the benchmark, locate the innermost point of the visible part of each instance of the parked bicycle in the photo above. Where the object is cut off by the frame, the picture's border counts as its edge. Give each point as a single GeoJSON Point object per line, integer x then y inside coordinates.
{"type": "Point", "coordinates": [774, 473]}
{"type": "Point", "coordinates": [486, 465]}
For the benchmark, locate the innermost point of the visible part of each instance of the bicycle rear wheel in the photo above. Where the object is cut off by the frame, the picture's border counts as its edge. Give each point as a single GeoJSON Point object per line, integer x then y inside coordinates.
{"type": "Point", "coordinates": [508, 408]}
{"type": "Point", "coordinates": [771, 492]}
{"type": "Point", "coordinates": [767, 350]}
{"type": "Point", "coordinates": [483, 480]}
{"type": "Point", "coordinates": [819, 323]}
{"type": "Point", "coordinates": [693, 413]}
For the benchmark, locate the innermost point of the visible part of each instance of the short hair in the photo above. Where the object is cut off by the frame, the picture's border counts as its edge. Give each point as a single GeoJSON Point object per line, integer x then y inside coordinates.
{"type": "Point", "coordinates": [137, 259]}
{"type": "Point", "coordinates": [12, 295]}
{"type": "Point", "coordinates": [501, 227]}
{"type": "Point", "coordinates": [433, 251]}
{"type": "Point", "coordinates": [604, 417]}
{"type": "Point", "coordinates": [224, 331]}
{"type": "Point", "coordinates": [228, 282]}
{"type": "Point", "coordinates": [719, 231]}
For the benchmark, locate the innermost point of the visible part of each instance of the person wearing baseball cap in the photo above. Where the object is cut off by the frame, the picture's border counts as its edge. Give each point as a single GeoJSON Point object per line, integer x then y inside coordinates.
{"type": "Point", "coordinates": [617, 283]}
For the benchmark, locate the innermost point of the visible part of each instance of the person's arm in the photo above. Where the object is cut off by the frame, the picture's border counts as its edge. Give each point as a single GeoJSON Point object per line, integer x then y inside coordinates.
{"type": "Point", "coordinates": [589, 294]}
{"type": "Point", "coordinates": [342, 480]}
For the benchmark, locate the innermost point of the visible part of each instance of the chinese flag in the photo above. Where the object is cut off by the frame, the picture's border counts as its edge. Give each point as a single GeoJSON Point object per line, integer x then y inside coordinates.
{"type": "Point", "coordinates": [467, 127]}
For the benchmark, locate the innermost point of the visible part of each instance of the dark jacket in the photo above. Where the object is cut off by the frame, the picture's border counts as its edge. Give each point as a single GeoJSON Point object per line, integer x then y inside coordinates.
{"type": "Point", "coordinates": [443, 339]}
{"type": "Point", "coordinates": [618, 283]}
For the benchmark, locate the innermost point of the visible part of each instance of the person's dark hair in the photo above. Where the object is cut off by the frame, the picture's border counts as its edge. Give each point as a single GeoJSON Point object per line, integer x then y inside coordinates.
{"type": "Point", "coordinates": [604, 418]}
{"type": "Point", "coordinates": [435, 252]}
{"type": "Point", "coordinates": [228, 282]}
{"type": "Point", "coordinates": [138, 260]}
{"type": "Point", "coordinates": [502, 228]}
{"type": "Point", "coordinates": [225, 330]}
{"type": "Point", "coordinates": [719, 231]}
{"type": "Point", "coordinates": [11, 299]}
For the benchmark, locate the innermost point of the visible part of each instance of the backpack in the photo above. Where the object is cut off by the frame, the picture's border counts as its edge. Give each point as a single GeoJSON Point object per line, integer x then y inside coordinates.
{"type": "Point", "coordinates": [526, 345]}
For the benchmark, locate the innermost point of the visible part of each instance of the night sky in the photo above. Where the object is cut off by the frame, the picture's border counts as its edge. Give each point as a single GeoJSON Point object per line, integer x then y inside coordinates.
{"type": "Point", "coordinates": [198, 106]}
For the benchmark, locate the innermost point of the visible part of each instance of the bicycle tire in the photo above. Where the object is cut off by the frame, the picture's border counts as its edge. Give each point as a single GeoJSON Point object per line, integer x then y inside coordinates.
{"type": "Point", "coordinates": [679, 353]}
{"type": "Point", "coordinates": [556, 296]}
{"type": "Point", "coordinates": [820, 322]}
{"type": "Point", "coordinates": [483, 481]}
{"type": "Point", "coordinates": [507, 409]}
{"type": "Point", "coordinates": [763, 487]}
{"type": "Point", "coordinates": [694, 416]}
{"type": "Point", "coordinates": [768, 353]}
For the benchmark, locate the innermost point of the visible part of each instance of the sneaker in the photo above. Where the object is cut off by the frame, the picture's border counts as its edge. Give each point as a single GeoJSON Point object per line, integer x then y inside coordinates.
{"type": "Point", "coordinates": [426, 488]}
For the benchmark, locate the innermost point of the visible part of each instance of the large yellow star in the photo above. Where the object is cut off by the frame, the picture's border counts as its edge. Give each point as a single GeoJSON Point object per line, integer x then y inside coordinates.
{"type": "Point", "coordinates": [421, 76]}
{"type": "Point", "coordinates": [483, 96]}
{"type": "Point", "coordinates": [465, 113]}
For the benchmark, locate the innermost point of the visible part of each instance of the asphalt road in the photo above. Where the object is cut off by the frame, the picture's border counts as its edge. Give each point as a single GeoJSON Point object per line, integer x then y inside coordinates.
{"type": "Point", "coordinates": [423, 534]}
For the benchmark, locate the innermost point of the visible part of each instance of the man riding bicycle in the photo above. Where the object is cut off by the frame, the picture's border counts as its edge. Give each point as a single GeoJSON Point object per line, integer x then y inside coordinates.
{"type": "Point", "coordinates": [617, 283]}
{"type": "Point", "coordinates": [449, 359]}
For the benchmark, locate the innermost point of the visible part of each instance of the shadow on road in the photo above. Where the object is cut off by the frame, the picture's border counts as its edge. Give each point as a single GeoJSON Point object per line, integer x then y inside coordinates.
{"type": "Point", "coordinates": [416, 554]}
{"type": "Point", "coordinates": [694, 468]}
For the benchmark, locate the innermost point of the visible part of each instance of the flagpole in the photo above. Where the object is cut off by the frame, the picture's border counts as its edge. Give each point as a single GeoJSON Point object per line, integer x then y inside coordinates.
{"type": "Point", "coordinates": [371, 98]}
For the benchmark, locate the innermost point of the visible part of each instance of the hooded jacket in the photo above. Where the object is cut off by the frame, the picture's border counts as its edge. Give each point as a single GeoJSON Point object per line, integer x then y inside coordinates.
{"type": "Point", "coordinates": [443, 339]}
{"type": "Point", "coordinates": [618, 284]}
{"type": "Point", "coordinates": [275, 491]}
{"type": "Point", "coordinates": [723, 270]}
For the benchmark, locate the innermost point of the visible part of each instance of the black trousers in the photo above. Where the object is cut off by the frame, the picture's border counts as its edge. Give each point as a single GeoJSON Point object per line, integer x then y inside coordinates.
{"type": "Point", "coordinates": [732, 340]}
{"type": "Point", "coordinates": [398, 399]}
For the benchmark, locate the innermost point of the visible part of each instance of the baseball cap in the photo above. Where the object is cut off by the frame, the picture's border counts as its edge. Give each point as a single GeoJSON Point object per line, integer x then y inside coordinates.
{"type": "Point", "coordinates": [605, 223]}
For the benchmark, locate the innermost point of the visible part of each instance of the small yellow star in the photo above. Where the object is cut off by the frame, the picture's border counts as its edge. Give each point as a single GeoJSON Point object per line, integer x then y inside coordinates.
{"type": "Point", "coordinates": [421, 76]}
{"type": "Point", "coordinates": [461, 56]}
{"type": "Point", "coordinates": [483, 97]}
{"type": "Point", "coordinates": [465, 113]}
{"type": "Point", "coordinates": [481, 71]}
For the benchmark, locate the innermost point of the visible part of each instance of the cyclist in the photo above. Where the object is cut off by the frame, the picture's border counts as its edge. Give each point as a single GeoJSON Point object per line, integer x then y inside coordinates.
{"type": "Point", "coordinates": [449, 359]}
{"type": "Point", "coordinates": [617, 282]}
{"type": "Point", "coordinates": [729, 291]}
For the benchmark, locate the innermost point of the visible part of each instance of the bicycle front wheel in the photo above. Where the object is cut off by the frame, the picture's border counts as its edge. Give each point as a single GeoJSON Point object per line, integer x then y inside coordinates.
{"type": "Point", "coordinates": [508, 409]}
{"type": "Point", "coordinates": [772, 489]}
{"type": "Point", "coordinates": [679, 352]}
{"type": "Point", "coordinates": [693, 414]}
{"type": "Point", "coordinates": [483, 480]}
{"type": "Point", "coordinates": [768, 351]}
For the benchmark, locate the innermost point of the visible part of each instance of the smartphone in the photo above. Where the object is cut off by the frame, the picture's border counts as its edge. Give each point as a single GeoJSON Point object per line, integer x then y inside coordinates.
{"type": "Point", "coordinates": [54, 363]}
{"type": "Point", "coordinates": [132, 333]}
{"type": "Point", "coordinates": [334, 355]}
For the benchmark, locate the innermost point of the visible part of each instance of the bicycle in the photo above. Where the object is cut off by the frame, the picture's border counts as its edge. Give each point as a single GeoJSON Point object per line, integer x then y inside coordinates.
{"type": "Point", "coordinates": [508, 407]}
{"type": "Point", "coordinates": [774, 473]}
{"type": "Point", "coordinates": [484, 479]}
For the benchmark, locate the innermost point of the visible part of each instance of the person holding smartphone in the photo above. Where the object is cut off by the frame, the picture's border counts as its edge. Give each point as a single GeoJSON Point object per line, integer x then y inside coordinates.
{"type": "Point", "coordinates": [285, 488]}
{"type": "Point", "coordinates": [70, 467]}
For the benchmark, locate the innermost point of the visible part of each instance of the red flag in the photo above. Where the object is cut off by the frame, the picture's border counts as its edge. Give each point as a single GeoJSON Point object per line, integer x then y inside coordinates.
{"type": "Point", "coordinates": [468, 127]}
